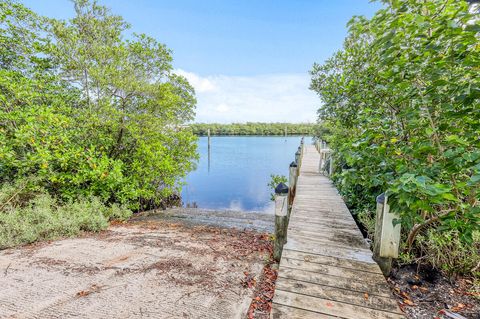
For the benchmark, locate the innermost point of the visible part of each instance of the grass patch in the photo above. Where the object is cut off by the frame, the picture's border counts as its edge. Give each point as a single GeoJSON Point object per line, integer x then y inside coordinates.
{"type": "Point", "coordinates": [29, 214]}
{"type": "Point", "coordinates": [446, 252]}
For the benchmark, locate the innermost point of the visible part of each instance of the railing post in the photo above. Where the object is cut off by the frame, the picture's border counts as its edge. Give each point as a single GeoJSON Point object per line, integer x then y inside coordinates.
{"type": "Point", "coordinates": [330, 168]}
{"type": "Point", "coordinates": [281, 220]}
{"type": "Point", "coordinates": [297, 158]}
{"type": "Point", "coordinates": [320, 163]}
{"type": "Point", "coordinates": [292, 182]}
{"type": "Point", "coordinates": [300, 156]}
{"type": "Point", "coordinates": [323, 157]}
{"type": "Point", "coordinates": [387, 236]}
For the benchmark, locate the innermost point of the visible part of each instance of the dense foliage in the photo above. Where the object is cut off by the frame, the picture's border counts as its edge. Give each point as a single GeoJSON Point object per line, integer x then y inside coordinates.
{"type": "Point", "coordinates": [86, 113]}
{"type": "Point", "coordinates": [254, 128]}
{"type": "Point", "coordinates": [401, 106]}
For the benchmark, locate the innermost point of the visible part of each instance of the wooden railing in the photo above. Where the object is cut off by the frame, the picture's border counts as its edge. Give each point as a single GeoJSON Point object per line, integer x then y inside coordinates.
{"type": "Point", "coordinates": [284, 196]}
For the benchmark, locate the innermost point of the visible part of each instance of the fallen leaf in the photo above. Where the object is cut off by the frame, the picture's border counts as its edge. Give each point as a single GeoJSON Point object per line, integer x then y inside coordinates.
{"type": "Point", "coordinates": [365, 296]}
{"type": "Point", "coordinates": [458, 307]}
{"type": "Point", "coordinates": [408, 302]}
{"type": "Point", "coordinates": [83, 293]}
{"type": "Point", "coordinates": [405, 295]}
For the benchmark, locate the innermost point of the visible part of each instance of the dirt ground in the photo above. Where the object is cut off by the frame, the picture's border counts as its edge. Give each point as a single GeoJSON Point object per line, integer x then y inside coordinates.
{"type": "Point", "coordinates": [198, 216]}
{"type": "Point", "coordinates": [143, 269]}
{"type": "Point", "coordinates": [424, 293]}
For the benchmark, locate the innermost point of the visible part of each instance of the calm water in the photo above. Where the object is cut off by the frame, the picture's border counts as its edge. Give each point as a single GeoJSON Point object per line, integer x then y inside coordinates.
{"type": "Point", "coordinates": [238, 172]}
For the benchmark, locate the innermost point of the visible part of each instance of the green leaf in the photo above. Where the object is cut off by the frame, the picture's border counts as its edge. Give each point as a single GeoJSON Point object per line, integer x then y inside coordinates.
{"type": "Point", "coordinates": [449, 196]}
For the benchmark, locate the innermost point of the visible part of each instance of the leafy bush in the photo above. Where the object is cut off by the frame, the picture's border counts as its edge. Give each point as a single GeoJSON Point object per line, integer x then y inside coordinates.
{"type": "Point", "coordinates": [89, 113]}
{"type": "Point", "coordinates": [28, 214]}
{"type": "Point", "coordinates": [445, 251]}
{"type": "Point", "coordinates": [367, 218]}
{"type": "Point", "coordinates": [274, 181]}
{"type": "Point", "coordinates": [401, 105]}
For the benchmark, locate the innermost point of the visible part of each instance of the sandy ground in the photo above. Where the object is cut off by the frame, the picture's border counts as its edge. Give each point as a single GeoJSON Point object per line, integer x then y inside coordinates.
{"type": "Point", "coordinates": [144, 269]}
{"type": "Point", "coordinates": [199, 216]}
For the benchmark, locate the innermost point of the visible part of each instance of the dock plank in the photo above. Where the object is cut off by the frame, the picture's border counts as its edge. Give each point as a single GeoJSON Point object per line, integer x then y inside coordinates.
{"type": "Point", "coordinates": [332, 261]}
{"type": "Point", "coordinates": [281, 311]}
{"type": "Point", "coordinates": [379, 289]}
{"type": "Point", "coordinates": [327, 270]}
{"type": "Point", "coordinates": [331, 307]}
{"type": "Point", "coordinates": [337, 294]}
{"type": "Point", "coordinates": [351, 274]}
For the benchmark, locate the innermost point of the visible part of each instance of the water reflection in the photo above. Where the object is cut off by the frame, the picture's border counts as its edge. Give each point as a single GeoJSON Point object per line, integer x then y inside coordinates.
{"type": "Point", "coordinates": [234, 171]}
{"type": "Point", "coordinates": [209, 156]}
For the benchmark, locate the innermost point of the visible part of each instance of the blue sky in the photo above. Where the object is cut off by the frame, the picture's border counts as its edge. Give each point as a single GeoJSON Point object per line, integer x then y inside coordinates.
{"type": "Point", "coordinates": [247, 59]}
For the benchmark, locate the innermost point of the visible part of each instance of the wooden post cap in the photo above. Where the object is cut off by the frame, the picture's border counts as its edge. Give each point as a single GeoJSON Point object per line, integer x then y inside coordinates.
{"type": "Point", "coordinates": [281, 189]}
{"type": "Point", "coordinates": [381, 198]}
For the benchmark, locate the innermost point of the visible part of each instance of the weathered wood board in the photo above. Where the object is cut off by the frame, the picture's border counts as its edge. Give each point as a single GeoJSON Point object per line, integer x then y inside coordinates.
{"type": "Point", "coordinates": [326, 269]}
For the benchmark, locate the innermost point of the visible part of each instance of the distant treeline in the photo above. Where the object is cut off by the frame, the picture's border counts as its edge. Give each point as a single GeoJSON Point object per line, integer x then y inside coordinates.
{"type": "Point", "coordinates": [254, 128]}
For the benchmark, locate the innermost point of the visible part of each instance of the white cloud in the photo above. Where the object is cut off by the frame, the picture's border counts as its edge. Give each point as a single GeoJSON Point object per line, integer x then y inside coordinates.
{"type": "Point", "coordinates": [261, 98]}
{"type": "Point", "coordinates": [222, 108]}
{"type": "Point", "coordinates": [200, 84]}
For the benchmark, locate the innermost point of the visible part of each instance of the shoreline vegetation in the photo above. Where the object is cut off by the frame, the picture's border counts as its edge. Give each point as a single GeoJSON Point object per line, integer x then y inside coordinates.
{"type": "Point", "coordinates": [254, 128]}
{"type": "Point", "coordinates": [399, 110]}
{"type": "Point", "coordinates": [90, 123]}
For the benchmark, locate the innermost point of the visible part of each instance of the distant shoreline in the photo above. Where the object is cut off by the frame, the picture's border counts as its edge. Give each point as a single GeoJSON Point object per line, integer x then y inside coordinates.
{"type": "Point", "coordinates": [254, 129]}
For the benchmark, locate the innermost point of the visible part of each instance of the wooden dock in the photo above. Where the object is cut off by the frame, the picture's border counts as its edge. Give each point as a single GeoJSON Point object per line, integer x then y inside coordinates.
{"type": "Point", "coordinates": [326, 269]}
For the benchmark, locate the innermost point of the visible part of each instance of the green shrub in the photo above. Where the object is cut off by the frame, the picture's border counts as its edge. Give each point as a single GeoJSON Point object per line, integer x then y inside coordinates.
{"type": "Point", "coordinates": [121, 141]}
{"type": "Point", "coordinates": [117, 212]}
{"type": "Point", "coordinates": [448, 253]}
{"type": "Point", "coordinates": [367, 218]}
{"type": "Point", "coordinates": [401, 102]}
{"type": "Point", "coordinates": [274, 181]}
{"type": "Point", "coordinates": [29, 214]}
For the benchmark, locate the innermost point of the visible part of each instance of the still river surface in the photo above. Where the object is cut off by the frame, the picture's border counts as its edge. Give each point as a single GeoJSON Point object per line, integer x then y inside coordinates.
{"type": "Point", "coordinates": [234, 176]}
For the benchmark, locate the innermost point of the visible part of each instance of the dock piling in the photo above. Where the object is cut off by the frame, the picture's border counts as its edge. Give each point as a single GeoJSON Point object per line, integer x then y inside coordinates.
{"type": "Point", "coordinates": [292, 181]}
{"type": "Point", "coordinates": [387, 235]}
{"type": "Point", "coordinates": [281, 220]}
{"type": "Point", "coordinates": [208, 133]}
